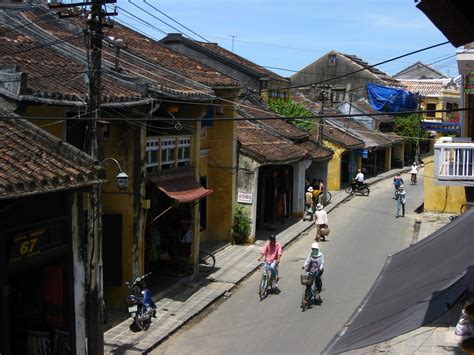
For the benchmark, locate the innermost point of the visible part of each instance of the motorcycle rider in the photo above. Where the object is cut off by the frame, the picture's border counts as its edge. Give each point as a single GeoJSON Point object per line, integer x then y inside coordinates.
{"type": "Point", "coordinates": [414, 172]}
{"type": "Point", "coordinates": [314, 265]}
{"type": "Point", "coordinates": [358, 180]}
{"type": "Point", "coordinates": [272, 253]}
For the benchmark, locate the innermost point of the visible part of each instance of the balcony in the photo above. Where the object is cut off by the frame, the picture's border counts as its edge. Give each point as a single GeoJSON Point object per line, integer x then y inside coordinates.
{"type": "Point", "coordinates": [454, 161]}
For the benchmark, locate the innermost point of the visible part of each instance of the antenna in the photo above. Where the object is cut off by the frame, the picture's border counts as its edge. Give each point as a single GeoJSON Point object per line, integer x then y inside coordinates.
{"type": "Point", "coordinates": [233, 37]}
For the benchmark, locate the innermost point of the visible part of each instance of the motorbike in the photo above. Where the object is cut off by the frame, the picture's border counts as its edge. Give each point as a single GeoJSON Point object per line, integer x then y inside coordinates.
{"type": "Point", "coordinates": [140, 305]}
{"type": "Point", "coordinates": [362, 189]}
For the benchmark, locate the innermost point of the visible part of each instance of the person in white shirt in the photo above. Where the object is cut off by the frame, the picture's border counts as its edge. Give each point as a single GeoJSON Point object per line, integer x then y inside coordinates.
{"type": "Point", "coordinates": [321, 221]}
{"type": "Point", "coordinates": [414, 172]}
{"type": "Point", "coordinates": [358, 180]}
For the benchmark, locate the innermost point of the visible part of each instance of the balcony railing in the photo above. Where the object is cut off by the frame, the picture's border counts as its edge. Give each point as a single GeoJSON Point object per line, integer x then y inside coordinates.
{"type": "Point", "coordinates": [454, 161]}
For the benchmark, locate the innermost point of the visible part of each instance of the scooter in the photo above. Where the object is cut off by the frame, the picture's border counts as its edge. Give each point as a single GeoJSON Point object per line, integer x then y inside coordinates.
{"type": "Point", "coordinates": [140, 305]}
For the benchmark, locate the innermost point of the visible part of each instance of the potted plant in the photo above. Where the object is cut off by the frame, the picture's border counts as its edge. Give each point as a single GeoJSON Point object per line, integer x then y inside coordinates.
{"type": "Point", "coordinates": [240, 226]}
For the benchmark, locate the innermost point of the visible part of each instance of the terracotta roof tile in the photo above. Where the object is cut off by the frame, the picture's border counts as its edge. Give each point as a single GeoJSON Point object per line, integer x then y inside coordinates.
{"type": "Point", "coordinates": [242, 61]}
{"type": "Point", "coordinates": [428, 87]}
{"type": "Point", "coordinates": [261, 145]}
{"type": "Point", "coordinates": [33, 161]}
{"type": "Point", "coordinates": [371, 139]}
{"type": "Point", "coordinates": [375, 71]}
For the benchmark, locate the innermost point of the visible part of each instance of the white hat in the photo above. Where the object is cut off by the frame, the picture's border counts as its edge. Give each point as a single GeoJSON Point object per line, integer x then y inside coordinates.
{"type": "Point", "coordinates": [310, 189]}
{"type": "Point", "coordinates": [315, 246]}
{"type": "Point", "coordinates": [319, 207]}
{"type": "Point", "coordinates": [401, 187]}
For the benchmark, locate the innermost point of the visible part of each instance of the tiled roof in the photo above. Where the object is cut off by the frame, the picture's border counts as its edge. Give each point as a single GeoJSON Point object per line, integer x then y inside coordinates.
{"type": "Point", "coordinates": [214, 47]}
{"type": "Point", "coordinates": [252, 107]}
{"type": "Point", "coordinates": [32, 161]}
{"type": "Point", "coordinates": [331, 132]}
{"type": "Point", "coordinates": [261, 145]}
{"type": "Point", "coordinates": [371, 139]}
{"type": "Point", "coordinates": [420, 69]}
{"type": "Point", "coordinates": [363, 106]}
{"type": "Point", "coordinates": [315, 151]}
{"type": "Point", "coordinates": [154, 51]}
{"type": "Point", "coordinates": [428, 87]}
{"type": "Point", "coordinates": [375, 71]}
{"type": "Point", "coordinates": [135, 74]}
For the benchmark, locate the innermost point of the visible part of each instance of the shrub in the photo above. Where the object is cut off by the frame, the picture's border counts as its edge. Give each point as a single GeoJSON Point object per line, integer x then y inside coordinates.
{"type": "Point", "coordinates": [240, 226]}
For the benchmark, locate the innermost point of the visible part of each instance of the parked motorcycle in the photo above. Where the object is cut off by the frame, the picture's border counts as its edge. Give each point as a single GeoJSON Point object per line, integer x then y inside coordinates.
{"type": "Point", "coordinates": [140, 305]}
{"type": "Point", "coordinates": [363, 189]}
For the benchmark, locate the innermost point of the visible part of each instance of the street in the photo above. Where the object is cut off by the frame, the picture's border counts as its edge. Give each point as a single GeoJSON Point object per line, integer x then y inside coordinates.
{"type": "Point", "coordinates": [364, 231]}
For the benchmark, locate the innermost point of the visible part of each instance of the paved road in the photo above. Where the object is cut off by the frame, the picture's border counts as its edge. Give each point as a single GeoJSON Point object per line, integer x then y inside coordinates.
{"type": "Point", "coordinates": [364, 231]}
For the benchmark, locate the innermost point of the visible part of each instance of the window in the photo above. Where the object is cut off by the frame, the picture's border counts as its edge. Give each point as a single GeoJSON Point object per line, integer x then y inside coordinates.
{"type": "Point", "coordinates": [332, 59]}
{"type": "Point", "coordinates": [168, 147]}
{"type": "Point", "coordinates": [164, 153]}
{"type": "Point", "coordinates": [151, 158]}
{"type": "Point", "coordinates": [431, 107]}
{"type": "Point", "coordinates": [184, 151]}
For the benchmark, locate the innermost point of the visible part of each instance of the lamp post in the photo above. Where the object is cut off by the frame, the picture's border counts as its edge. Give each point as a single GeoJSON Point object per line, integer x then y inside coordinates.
{"type": "Point", "coordinates": [122, 177]}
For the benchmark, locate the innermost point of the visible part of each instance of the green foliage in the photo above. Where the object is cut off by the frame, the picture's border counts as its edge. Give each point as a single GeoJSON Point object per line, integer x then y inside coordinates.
{"type": "Point", "coordinates": [240, 227]}
{"type": "Point", "coordinates": [409, 127]}
{"type": "Point", "coordinates": [291, 108]}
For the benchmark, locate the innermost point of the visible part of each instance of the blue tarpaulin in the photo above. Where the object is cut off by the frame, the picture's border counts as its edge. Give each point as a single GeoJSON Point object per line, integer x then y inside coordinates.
{"type": "Point", "coordinates": [386, 99]}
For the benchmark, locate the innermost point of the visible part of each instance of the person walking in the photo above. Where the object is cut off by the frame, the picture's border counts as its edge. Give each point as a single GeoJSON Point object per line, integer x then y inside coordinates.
{"type": "Point", "coordinates": [397, 182]}
{"type": "Point", "coordinates": [401, 200]}
{"type": "Point", "coordinates": [308, 204]}
{"type": "Point", "coordinates": [321, 221]}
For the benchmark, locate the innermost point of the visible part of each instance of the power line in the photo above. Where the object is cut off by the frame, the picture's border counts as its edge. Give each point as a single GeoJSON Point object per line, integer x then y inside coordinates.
{"type": "Point", "coordinates": [172, 19]}
{"type": "Point", "coordinates": [369, 66]}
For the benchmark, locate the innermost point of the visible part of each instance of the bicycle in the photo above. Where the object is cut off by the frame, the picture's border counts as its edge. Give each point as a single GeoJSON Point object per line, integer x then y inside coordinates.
{"type": "Point", "coordinates": [265, 282]}
{"type": "Point", "coordinates": [207, 261]}
{"type": "Point", "coordinates": [327, 198]}
{"type": "Point", "coordinates": [309, 296]}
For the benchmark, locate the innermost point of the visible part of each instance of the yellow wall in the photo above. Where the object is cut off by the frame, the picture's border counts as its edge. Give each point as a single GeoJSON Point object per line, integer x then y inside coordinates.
{"type": "Point", "coordinates": [221, 174]}
{"type": "Point", "coordinates": [119, 145]}
{"type": "Point", "coordinates": [440, 198]}
{"type": "Point", "coordinates": [334, 166]}
{"type": "Point", "coordinates": [55, 127]}
{"type": "Point", "coordinates": [388, 158]}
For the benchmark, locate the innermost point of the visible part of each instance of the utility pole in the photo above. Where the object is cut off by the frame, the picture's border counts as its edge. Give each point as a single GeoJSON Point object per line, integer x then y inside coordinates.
{"type": "Point", "coordinates": [94, 291]}
{"type": "Point", "coordinates": [322, 98]}
{"type": "Point", "coordinates": [233, 37]}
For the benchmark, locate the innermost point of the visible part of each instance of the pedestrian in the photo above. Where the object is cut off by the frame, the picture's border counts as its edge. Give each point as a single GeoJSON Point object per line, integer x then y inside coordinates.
{"type": "Point", "coordinates": [321, 221]}
{"type": "Point", "coordinates": [308, 204]}
{"type": "Point", "coordinates": [401, 200]}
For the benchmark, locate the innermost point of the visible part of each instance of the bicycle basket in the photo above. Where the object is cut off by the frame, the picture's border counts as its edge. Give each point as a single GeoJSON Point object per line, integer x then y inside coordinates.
{"type": "Point", "coordinates": [307, 279]}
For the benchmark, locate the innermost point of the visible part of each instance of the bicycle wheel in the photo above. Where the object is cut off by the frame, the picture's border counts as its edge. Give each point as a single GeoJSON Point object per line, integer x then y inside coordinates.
{"type": "Point", "coordinates": [365, 191]}
{"type": "Point", "coordinates": [306, 298]}
{"type": "Point", "coordinates": [328, 197]}
{"type": "Point", "coordinates": [207, 261]}
{"type": "Point", "coordinates": [263, 289]}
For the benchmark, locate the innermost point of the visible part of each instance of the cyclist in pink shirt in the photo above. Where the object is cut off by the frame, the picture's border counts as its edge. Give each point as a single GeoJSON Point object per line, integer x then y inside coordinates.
{"type": "Point", "coordinates": [271, 253]}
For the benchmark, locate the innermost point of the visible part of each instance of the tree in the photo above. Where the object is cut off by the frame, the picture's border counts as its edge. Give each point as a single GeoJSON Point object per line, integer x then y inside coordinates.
{"type": "Point", "coordinates": [291, 108]}
{"type": "Point", "coordinates": [409, 128]}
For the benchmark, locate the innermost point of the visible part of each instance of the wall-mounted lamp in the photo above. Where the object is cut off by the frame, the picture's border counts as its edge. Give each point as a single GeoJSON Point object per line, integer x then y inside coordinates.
{"type": "Point", "coordinates": [173, 108]}
{"type": "Point", "coordinates": [122, 177]}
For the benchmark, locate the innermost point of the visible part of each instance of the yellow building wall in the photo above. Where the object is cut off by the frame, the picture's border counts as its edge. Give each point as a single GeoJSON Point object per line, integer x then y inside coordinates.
{"type": "Point", "coordinates": [440, 198]}
{"type": "Point", "coordinates": [55, 127]}
{"type": "Point", "coordinates": [334, 166]}
{"type": "Point", "coordinates": [221, 173]}
{"type": "Point", "coordinates": [388, 158]}
{"type": "Point", "coordinates": [119, 145]}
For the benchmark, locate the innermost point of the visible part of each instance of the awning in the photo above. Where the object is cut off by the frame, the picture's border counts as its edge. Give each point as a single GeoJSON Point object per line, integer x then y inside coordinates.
{"type": "Point", "coordinates": [183, 189]}
{"type": "Point", "coordinates": [415, 287]}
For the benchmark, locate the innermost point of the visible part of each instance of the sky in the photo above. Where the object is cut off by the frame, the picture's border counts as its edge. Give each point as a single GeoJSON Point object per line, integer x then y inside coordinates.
{"type": "Point", "coordinates": [285, 36]}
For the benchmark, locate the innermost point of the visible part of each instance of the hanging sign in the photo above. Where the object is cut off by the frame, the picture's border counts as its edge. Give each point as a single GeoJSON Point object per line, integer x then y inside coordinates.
{"type": "Point", "coordinates": [441, 126]}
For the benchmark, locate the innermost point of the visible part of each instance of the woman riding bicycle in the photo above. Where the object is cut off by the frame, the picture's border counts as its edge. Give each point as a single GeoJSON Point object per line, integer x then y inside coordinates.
{"type": "Point", "coordinates": [414, 172]}
{"type": "Point", "coordinates": [314, 265]}
{"type": "Point", "coordinates": [271, 253]}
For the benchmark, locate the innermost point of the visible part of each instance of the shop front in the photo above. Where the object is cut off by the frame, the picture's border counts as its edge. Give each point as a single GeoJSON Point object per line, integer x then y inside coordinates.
{"type": "Point", "coordinates": [173, 225]}
{"type": "Point", "coordinates": [38, 312]}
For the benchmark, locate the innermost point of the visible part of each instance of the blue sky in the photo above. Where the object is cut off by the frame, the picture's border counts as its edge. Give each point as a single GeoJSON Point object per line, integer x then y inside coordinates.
{"type": "Point", "coordinates": [292, 34]}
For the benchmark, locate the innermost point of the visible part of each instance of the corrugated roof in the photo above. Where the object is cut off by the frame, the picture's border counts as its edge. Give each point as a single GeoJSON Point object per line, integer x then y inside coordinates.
{"type": "Point", "coordinates": [32, 161]}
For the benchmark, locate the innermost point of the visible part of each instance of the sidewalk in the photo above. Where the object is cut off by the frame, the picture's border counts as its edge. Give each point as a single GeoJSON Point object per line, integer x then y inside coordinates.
{"type": "Point", "coordinates": [189, 298]}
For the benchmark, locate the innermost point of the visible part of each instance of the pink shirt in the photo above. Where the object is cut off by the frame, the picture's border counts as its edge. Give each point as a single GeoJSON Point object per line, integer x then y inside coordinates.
{"type": "Point", "coordinates": [271, 252]}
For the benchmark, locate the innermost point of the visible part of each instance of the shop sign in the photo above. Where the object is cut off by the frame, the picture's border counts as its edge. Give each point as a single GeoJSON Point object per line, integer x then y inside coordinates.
{"type": "Point", "coordinates": [245, 197]}
{"type": "Point", "coordinates": [29, 243]}
{"type": "Point", "coordinates": [441, 126]}
{"type": "Point", "coordinates": [469, 88]}
{"type": "Point", "coordinates": [364, 153]}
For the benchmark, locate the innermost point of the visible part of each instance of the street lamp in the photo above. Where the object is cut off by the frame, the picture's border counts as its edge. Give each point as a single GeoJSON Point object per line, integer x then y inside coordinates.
{"type": "Point", "coordinates": [122, 177]}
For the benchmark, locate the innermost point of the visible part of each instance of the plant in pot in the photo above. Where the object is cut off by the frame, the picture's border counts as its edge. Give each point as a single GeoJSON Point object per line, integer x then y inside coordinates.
{"type": "Point", "coordinates": [240, 226]}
